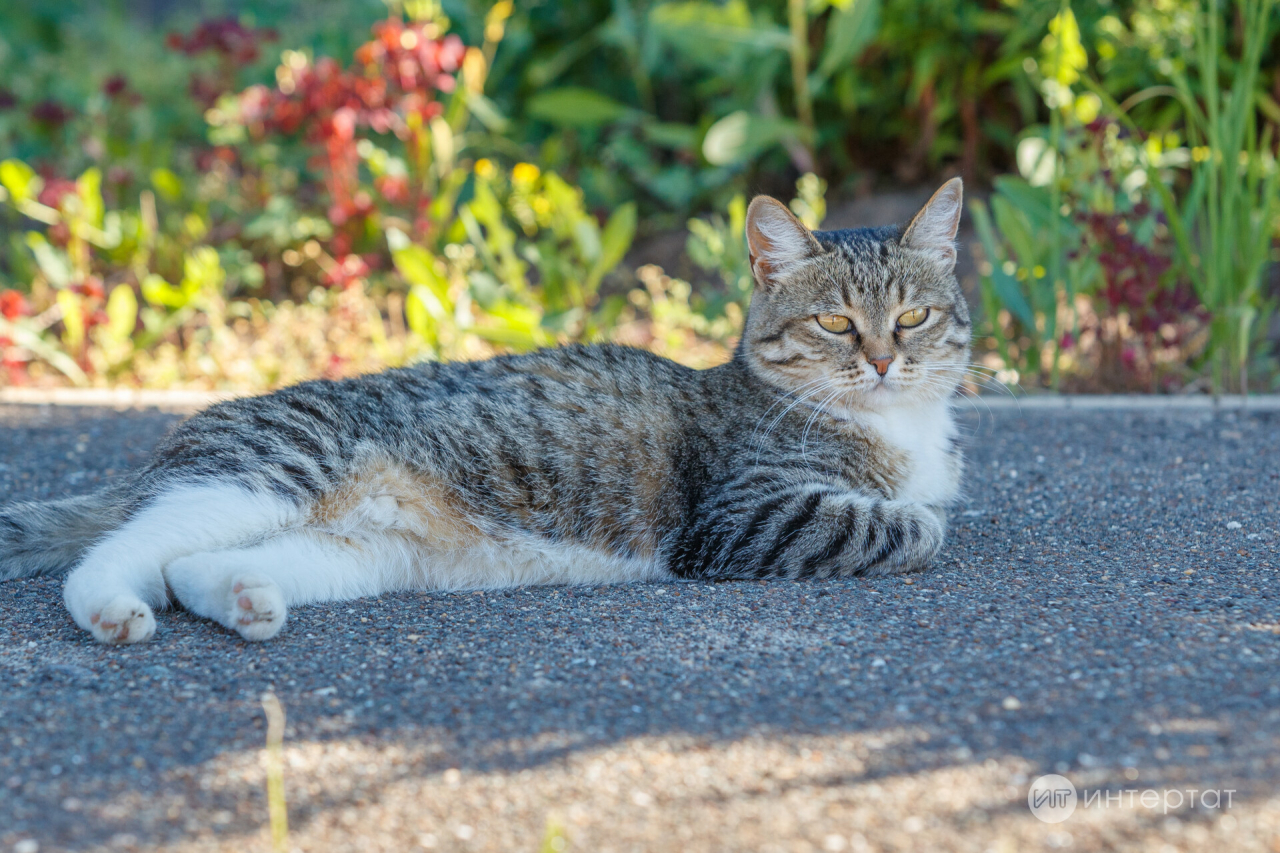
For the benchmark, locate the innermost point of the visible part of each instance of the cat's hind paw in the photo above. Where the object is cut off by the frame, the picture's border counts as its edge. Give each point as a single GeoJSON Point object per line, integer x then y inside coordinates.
{"type": "Point", "coordinates": [125, 619]}
{"type": "Point", "coordinates": [257, 609]}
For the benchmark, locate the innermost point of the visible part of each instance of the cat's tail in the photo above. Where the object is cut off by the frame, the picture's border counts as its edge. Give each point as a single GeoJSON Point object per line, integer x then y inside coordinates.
{"type": "Point", "coordinates": [48, 538]}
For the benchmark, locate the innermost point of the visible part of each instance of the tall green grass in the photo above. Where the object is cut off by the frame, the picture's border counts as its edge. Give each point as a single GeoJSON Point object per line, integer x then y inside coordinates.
{"type": "Point", "coordinates": [1224, 224]}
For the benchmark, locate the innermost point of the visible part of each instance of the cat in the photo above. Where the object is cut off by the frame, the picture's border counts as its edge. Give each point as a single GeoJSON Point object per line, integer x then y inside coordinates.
{"type": "Point", "coordinates": [824, 448]}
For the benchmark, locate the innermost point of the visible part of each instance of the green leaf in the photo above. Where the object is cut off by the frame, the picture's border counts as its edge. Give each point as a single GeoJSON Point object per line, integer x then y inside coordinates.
{"type": "Point", "coordinates": [710, 33]}
{"type": "Point", "coordinates": [27, 339]}
{"type": "Point", "coordinates": [422, 311]}
{"type": "Point", "coordinates": [681, 137]}
{"type": "Point", "coordinates": [573, 106]}
{"type": "Point", "coordinates": [202, 270]}
{"type": "Point", "coordinates": [616, 238]}
{"type": "Point", "coordinates": [157, 291]}
{"type": "Point", "coordinates": [741, 136]}
{"type": "Point", "coordinates": [488, 113]}
{"type": "Point", "coordinates": [168, 184]}
{"type": "Point", "coordinates": [122, 312]}
{"type": "Point", "coordinates": [1014, 228]}
{"type": "Point", "coordinates": [1035, 202]}
{"type": "Point", "coordinates": [20, 180]}
{"type": "Point", "coordinates": [53, 262]}
{"type": "Point", "coordinates": [418, 267]}
{"type": "Point", "coordinates": [850, 29]}
{"type": "Point", "coordinates": [89, 189]}
{"type": "Point", "coordinates": [1004, 285]}
{"type": "Point", "coordinates": [518, 326]}
{"type": "Point", "coordinates": [72, 319]}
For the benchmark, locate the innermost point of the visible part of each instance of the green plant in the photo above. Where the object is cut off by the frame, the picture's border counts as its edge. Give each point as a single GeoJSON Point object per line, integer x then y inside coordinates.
{"type": "Point", "coordinates": [1076, 266]}
{"type": "Point", "coordinates": [523, 265]}
{"type": "Point", "coordinates": [718, 243]}
{"type": "Point", "coordinates": [1224, 225]}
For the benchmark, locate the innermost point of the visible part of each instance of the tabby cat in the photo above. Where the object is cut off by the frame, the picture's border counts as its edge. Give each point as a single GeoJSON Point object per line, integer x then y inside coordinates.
{"type": "Point", "coordinates": [824, 448]}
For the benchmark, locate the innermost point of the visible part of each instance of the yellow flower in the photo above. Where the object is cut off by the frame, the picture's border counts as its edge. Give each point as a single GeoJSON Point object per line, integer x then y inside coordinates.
{"type": "Point", "coordinates": [525, 173]}
{"type": "Point", "coordinates": [1200, 153]}
{"type": "Point", "coordinates": [1038, 271]}
{"type": "Point", "coordinates": [485, 168]}
{"type": "Point", "coordinates": [1087, 107]}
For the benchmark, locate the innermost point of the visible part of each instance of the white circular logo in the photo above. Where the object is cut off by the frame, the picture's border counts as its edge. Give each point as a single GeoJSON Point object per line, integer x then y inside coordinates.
{"type": "Point", "coordinates": [1052, 798]}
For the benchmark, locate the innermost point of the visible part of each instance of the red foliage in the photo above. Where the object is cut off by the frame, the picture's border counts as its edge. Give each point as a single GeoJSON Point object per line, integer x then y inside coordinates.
{"type": "Point", "coordinates": [1133, 273]}
{"type": "Point", "coordinates": [347, 272]}
{"type": "Point", "coordinates": [92, 287]}
{"type": "Point", "coordinates": [226, 37]}
{"type": "Point", "coordinates": [54, 190]}
{"type": "Point", "coordinates": [390, 88]}
{"type": "Point", "coordinates": [51, 113]}
{"type": "Point", "coordinates": [234, 46]}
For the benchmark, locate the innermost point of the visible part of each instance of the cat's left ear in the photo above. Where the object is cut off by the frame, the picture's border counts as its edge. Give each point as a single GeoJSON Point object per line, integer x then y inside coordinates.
{"type": "Point", "coordinates": [776, 239]}
{"type": "Point", "coordinates": [934, 227]}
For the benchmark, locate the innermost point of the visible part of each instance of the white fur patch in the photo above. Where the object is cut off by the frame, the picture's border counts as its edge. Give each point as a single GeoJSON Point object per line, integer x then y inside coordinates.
{"type": "Point", "coordinates": [130, 561]}
{"type": "Point", "coordinates": [923, 432]}
{"type": "Point", "coordinates": [202, 543]}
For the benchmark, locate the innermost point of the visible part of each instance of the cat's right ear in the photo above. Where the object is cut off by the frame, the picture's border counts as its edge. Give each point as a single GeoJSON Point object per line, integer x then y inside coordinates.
{"type": "Point", "coordinates": [776, 239]}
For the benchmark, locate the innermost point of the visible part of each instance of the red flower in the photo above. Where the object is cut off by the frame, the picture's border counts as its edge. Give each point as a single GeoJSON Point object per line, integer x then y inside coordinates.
{"type": "Point", "coordinates": [13, 305]}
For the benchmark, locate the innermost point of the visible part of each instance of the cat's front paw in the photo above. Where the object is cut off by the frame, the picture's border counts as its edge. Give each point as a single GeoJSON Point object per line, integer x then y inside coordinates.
{"type": "Point", "coordinates": [257, 608]}
{"type": "Point", "coordinates": [124, 619]}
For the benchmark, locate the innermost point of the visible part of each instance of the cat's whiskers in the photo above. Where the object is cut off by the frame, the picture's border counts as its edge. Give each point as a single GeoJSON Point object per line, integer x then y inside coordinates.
{"type": "Point", "coordinates": [784, 397]}
{"type": "Point", "coordinates": [813, 416]}
{"type": "Point", "coordinates": [823, 384]}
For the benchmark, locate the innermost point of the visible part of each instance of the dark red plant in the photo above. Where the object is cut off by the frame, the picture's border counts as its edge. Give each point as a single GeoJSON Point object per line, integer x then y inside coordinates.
{"type": "Point", "coordinates": [234, 45]}
{"type": "Point", "coordinates": [51, 113]}
{"type": "Point", "coordinates": [1134, 274]}
{"type": "Point", "coordinates": [115, 85]}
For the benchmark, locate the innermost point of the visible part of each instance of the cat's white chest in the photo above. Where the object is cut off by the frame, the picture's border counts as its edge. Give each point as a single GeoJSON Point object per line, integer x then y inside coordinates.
{"type": "Point", "coordinates": [924, 436]}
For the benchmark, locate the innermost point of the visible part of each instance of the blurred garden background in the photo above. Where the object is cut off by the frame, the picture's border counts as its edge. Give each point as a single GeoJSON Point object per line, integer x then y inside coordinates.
{"type": "Point", "coordinates": [240, 195]}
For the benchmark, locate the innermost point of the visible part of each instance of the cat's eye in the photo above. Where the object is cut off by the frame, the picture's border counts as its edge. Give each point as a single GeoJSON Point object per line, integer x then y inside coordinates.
{"type": "Point", "coordinates": [834, 323]}
{"type": "Point", "coordinates": [913, 318]}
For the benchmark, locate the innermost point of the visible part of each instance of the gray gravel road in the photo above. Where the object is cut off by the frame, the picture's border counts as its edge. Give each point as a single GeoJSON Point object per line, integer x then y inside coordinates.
{"type": "Point", "coordinates": [1108, 609]}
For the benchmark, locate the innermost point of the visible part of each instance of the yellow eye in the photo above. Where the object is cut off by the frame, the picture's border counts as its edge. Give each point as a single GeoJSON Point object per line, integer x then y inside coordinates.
{"type": "Point", "coordinates": [913, 318]}
{"type": "Point", "coordinates": [834, 323]}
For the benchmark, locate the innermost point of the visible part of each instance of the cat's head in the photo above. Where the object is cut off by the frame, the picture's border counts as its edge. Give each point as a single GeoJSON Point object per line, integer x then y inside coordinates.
{"type": "Point", "coordinates": [858, 319]}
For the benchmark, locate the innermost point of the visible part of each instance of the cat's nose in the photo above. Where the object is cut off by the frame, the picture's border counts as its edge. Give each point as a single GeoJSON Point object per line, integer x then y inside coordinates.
{"type": "Point", "coordinates": [882, 363]}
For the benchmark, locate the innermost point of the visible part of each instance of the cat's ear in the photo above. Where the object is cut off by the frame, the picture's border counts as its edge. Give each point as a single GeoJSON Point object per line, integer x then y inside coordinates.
{"type": "Point", "coordinates": [934, 228]}
{"type": "Point", "coordinates": [776, 239]}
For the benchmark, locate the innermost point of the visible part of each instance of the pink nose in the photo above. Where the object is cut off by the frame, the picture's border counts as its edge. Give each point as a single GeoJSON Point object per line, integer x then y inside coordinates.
{"type": "Point", "coordinates": [882, 363]}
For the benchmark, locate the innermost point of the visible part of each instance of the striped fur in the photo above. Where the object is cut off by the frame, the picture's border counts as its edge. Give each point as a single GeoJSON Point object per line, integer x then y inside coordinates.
{"type": "Point", "coordinates": [579, 464]}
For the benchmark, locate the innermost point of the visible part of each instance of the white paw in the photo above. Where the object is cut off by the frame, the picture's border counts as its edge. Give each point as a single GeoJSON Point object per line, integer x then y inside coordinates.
{"type": "Point", "coordinates": [257, 607]}
{"type": "Point", "coordinates": [124, 620]}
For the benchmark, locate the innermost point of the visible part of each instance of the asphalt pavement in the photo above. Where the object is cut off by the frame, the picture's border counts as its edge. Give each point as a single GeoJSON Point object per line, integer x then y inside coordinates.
{"type": "Point", "coordinates": [1107, 609]}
